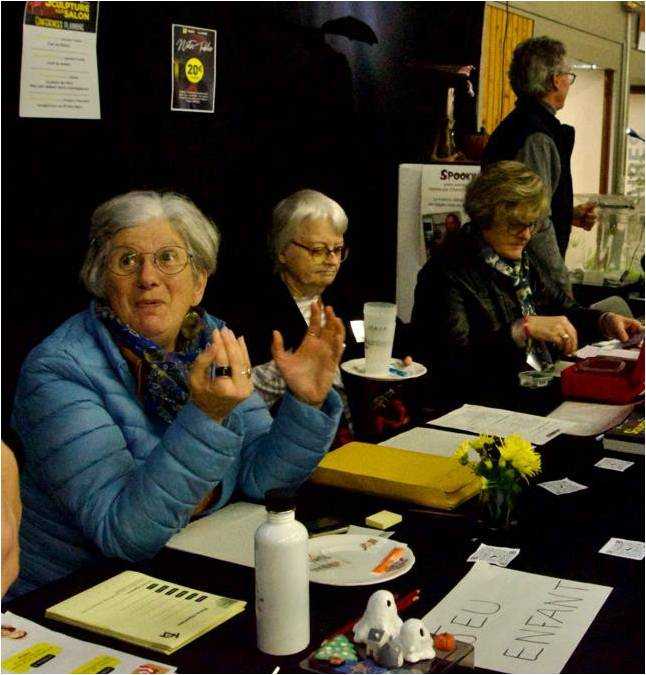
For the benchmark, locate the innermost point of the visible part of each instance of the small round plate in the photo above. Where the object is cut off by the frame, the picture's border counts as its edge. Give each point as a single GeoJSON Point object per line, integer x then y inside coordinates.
{"type": "Point", "coordinates": [396, 372]}
{"type": "Point", "coordinates": [349, 559]}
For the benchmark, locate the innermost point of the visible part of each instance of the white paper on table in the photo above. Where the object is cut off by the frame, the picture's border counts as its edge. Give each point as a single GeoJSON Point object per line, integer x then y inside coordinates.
{"type": "Point", "coordinates": [58, 74]}
{"type": "Point", "coordinates": [499, 422]}
{"type": "Point", "coordinates": [590, 419]}
{"type": "Point", "coordinates": [429, 441]}
{"type": "Point", "coordinates": [624, 548]}
{"type": "Point", "coordinates": [494, 555]}
{"type": "Point", "coordinates": [369, 531]}
{"type": "Point", "coordinates": [225, 535]}
{"type": "Point", "coordinates": [562, 487]}
{"type": "Point", "coordinates": [519, 622]}
{"type": "Point", "coordinates": [592, 350]}
{"type": "Point", "coordinates": [613, 464]}
{"type": "Point", "coordinates": [70, 655]}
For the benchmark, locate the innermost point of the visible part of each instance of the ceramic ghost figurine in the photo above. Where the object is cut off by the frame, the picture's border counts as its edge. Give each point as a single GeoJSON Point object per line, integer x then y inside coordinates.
{"type": "Point", "coordinates": [381, 613]}
{"type": "Point", "coordinates": [416, 642]}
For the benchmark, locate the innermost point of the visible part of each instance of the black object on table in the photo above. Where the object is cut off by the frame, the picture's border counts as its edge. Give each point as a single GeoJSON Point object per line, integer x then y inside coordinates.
{"type": "Point", "coordinates": [558, 536]}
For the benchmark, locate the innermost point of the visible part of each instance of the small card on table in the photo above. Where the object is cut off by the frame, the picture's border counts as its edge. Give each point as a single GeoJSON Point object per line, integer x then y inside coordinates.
{"type": "Point", "coordinates": [494, 555]}
{"type": "Point", "coordinates": [613, 464]}
{"type": "Point", "coordinates": [624, 548]}
{"type": "Point", "coordinates": [563, 486]}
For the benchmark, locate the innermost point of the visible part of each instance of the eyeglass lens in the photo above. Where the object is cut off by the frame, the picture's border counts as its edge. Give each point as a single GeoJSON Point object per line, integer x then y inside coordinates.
{"type": "Point", "coordinates": [168, 260]}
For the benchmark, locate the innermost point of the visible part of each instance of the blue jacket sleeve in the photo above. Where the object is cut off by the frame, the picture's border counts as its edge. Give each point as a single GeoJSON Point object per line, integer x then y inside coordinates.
{"type": "Point", "coordinates": [127, 500]}
{"type": "Point", "coordinates": [287, 452]}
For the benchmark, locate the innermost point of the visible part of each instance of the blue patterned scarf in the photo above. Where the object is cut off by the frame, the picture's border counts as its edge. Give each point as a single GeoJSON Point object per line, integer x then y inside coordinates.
{"type": "Point", "coordinates": [518, 272]}
{"type": "Point", "coordinates": [165, 387]}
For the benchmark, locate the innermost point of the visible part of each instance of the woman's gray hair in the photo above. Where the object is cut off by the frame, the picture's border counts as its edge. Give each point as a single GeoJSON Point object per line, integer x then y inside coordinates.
{"type": "Point", "coordinates": [200, 235]}
{"type": "Point", "coordinates": [501, 189]}
{"type": "Point", "coordinates": [298, 207]}
{"type": "Point", "coordinates": [534, 63]}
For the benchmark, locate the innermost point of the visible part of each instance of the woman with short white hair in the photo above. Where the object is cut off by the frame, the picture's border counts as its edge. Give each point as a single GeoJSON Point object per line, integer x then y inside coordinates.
{"type": "Point", "coordinates": [307, 246]}
{"type": "Point", "coordinates": [139, 413]}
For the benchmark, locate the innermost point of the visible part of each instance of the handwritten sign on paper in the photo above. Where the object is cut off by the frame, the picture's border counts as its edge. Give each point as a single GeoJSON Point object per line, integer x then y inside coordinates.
{"type": "Point", "coordinates": [519, 622]}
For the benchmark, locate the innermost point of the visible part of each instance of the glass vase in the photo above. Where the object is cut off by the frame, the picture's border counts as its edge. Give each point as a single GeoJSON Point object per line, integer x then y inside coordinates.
{"type": "Point", "coordinates": [498, 508]}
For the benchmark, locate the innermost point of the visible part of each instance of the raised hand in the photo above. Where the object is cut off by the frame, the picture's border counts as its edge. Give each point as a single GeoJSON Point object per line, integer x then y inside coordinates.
{"type": "Point", "coordinates": [310, 370]}
{"type": "Point", "coordinates": [218, 396]}
{"type": "Point", "coordinates": [555, 329]}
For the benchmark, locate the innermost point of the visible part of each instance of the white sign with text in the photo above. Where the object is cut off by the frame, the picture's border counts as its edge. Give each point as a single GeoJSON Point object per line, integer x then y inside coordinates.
{"type": "Point", "coordinates": [519, 622]}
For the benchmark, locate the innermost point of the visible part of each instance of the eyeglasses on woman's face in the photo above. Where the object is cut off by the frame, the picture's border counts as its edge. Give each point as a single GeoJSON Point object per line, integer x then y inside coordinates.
{"type": "Point", "coordinates": [571, 76]}
{"type": "Point", "coordinates": [169, 260]}
{"type": "Point", "coordinates": [516, 227]}
{"type": "Point", "coordinates": [319, 254]}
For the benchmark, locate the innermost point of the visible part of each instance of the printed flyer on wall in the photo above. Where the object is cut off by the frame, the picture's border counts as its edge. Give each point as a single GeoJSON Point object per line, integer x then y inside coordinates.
{"type": "Point", "coordinates": [59, 75]}
{"type": "Point", "coordinates": [193, 69]}
{"type": "Point", "coordinates": [441, 209]}
{"type": "Point", "coordinates": [28, 647]}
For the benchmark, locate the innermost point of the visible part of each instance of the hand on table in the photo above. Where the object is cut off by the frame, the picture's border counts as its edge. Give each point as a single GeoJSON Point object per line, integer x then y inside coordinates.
{"type": "Point", "coordinates": [218, 396]}
{"type": "Point", "coordinates": [310, 370]}
{"type": "Point", "coordinates": [619, 327]}
{"type": "Point", "coordinates": [585, 216]}
{"type": "Point", "coordinates": [555, 329]}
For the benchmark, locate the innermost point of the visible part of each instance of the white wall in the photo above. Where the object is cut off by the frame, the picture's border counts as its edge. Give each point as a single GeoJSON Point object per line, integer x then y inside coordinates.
{"type": "Point", "coordinates": [584, 111]}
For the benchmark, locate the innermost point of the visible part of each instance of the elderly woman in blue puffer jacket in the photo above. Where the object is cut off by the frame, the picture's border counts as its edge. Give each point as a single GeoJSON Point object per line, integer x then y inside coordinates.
{"type": "Point", "coordinates": [139, 413]}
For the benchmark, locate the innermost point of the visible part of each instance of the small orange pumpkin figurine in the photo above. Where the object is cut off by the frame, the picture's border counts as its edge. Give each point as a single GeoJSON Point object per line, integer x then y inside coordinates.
{"type": "Point", "coordinates": [444, 642]}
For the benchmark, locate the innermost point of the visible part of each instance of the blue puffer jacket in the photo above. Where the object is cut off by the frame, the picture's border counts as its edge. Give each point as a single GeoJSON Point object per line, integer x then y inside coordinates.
{"type": "Point", "coordinates": [103, 479]}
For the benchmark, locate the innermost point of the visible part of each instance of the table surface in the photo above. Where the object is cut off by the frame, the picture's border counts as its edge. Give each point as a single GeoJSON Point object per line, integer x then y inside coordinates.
{"type": "Point", "coordinates": [558, 536]}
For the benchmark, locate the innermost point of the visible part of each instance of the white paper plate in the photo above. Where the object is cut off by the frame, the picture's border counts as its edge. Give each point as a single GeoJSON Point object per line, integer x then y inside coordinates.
{"type": "Point", "coordinates": [358, 367]}
{"type": "Point", "coordinates": [348, 559]}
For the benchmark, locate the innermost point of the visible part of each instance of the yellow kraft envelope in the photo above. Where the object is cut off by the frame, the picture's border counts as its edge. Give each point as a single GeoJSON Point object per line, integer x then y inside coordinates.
{"type": "Point", "coordinates": [416, 477]}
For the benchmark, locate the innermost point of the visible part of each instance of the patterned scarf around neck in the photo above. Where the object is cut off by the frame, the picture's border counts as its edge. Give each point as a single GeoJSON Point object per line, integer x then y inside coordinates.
{"type": "Point", "coordinates": [165, 388]}
{"type": "Point", "coordinates": [518, 272]}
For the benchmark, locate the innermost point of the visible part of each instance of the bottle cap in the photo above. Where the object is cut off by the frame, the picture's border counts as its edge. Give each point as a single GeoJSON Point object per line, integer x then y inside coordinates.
{"type": "Point", "coordinates": [280, 500]}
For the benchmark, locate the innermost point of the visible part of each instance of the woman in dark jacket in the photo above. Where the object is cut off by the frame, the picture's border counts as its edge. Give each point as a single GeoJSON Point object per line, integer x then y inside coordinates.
{"type": "Point", "coordinates": [484, 310]}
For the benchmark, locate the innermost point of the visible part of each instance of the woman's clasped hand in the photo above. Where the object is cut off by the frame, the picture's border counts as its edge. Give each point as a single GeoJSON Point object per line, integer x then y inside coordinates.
{"type": "Point", "coordinates": [218, 396]}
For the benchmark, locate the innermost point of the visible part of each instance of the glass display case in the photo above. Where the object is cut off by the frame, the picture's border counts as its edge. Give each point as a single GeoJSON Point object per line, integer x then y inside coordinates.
{"type": "Point", "coordinates": [611, 253]}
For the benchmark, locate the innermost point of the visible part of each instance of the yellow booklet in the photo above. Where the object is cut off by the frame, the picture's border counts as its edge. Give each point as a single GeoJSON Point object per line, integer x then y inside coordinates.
{"type": "Point", "coordinates": [146, 611]}
{"type": "Point", "coordinates": [414, 477]}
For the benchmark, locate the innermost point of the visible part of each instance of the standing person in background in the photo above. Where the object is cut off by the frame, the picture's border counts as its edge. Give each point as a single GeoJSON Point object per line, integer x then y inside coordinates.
{"type": "Point", "coordinates": [541, 76]}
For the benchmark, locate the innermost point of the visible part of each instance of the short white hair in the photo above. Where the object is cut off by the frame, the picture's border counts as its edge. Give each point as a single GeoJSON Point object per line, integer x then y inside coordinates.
{"type": "Point", "coordinates": [200, 234]}
{"type": "Point", "coordinates": [297, 208]}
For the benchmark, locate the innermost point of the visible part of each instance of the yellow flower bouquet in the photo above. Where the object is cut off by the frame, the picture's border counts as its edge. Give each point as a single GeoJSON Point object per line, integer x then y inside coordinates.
{"type": "Point", "coordinates": [503, 464]}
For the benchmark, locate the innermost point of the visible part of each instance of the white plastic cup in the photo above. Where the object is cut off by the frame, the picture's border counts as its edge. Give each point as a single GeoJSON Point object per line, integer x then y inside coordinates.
{"type": "Point", "coordinates": [379, 324]}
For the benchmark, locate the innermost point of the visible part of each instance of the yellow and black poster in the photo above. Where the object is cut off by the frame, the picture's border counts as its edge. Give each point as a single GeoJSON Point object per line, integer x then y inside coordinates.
{"type": "Point", "coordinates": [193, 69]}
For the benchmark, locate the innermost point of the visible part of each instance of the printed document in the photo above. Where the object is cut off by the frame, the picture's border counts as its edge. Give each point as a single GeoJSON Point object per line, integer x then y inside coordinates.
{"type": "Point", "coordinates": [497, 422]}
{"type": "Point", "coordinates": [430, 441]}
{"type": "Point", "coordinates": [518, 622]}
{"type": "Point", "coordinates": [29, 647]}
{"type": "Point", "coordinates": [590, 419]}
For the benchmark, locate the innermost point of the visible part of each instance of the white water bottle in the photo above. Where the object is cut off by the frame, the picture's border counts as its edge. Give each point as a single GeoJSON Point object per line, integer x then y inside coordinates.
{"type": "Point", "coordinates": [282, 578]}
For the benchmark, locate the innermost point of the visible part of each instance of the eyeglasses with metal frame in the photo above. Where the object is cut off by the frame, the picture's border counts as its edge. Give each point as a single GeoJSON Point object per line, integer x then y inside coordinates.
{"type": "Point", "coordinates": [169, 260]}
{"type": "Point", "coordinates": [320, 253]}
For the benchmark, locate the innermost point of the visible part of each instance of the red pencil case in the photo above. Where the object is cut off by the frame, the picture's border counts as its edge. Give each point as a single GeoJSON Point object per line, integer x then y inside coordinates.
{"type": "Point", "coordinates": [607, 379]}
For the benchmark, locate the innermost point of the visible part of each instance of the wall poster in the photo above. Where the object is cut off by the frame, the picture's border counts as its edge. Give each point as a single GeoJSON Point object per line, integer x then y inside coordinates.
{"type": "Point", "coordinates": [442, 200]}
{"type": "Point", "coordinates": [59, 75]}
{"type": "Point", "coordinates": [193, 69]}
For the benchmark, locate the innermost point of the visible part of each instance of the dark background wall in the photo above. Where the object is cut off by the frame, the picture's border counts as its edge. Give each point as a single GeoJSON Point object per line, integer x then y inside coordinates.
{"type": "Point", "coordinates": [292, 110]}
